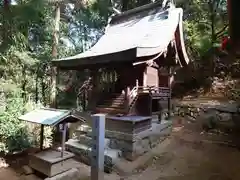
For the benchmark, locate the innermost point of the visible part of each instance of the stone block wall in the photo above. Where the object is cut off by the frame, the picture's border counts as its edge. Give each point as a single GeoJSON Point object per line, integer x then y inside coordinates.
{"type": "Point", "coordinates": [222, 116]}
{"type": "Point", "coordinates": [134, 145]}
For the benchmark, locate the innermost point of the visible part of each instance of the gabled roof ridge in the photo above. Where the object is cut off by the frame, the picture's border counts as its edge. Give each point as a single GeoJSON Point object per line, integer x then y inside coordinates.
{"type": "Point", "coordinates": [136, 10]}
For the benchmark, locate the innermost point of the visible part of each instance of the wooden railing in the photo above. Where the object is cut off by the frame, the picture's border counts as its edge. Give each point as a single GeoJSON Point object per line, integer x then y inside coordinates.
{"type": "Point", "coordinates": [133, 95]}
{"type": "Point", "coordinates": [132, 98]}
{"type": "Point", "coordinates": [152, 89]}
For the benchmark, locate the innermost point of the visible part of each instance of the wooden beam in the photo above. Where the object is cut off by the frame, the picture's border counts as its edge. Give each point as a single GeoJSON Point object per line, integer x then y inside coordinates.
{"type": "Point", "coordinates": [151, 62]}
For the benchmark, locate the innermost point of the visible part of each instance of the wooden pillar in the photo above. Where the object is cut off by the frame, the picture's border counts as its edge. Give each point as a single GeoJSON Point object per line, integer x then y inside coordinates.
{"type": "Point", "coordinates": [126, 94]}
{"type": "Point", "coordinates": [170, 89]}
{"type": "Point", "coordinates": [64, 133]}
{"type": "Point", "coordinates": [145, 77]}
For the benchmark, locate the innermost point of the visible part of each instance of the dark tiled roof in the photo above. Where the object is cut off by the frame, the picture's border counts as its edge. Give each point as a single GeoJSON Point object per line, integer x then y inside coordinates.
{"type": "Point", "coordinates": [144, 31]}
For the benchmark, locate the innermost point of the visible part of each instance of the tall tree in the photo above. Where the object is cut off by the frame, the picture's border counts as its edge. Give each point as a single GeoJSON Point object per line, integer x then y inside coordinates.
{"type": "Point", "coordinates": [53, 92]}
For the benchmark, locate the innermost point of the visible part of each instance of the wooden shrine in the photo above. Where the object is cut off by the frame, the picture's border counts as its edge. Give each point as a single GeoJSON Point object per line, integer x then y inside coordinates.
{"type": "Point", "coordinates": [131, 70]}
{"type": "Point", "coordinates": [132, 65]}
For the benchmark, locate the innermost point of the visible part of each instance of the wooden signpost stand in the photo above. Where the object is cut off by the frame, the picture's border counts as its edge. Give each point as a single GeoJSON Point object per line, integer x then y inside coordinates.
{"type": "Point", "coordinates": [49, 161]}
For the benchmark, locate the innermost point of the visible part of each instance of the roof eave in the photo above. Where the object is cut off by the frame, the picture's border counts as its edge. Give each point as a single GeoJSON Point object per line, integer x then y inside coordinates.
{"type": "Point", "coordinates": [123, 56]}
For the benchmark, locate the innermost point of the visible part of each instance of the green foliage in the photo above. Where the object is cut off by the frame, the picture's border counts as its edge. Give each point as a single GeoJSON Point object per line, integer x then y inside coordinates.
{"type": "Point", "coordinates": [16, 135]}
{"type": "Point", "coordinates": [26, 31]}
{"type": "Point", "coordinates": [204, 24]}
{"type": "Point", "coordinates": [13, 134]}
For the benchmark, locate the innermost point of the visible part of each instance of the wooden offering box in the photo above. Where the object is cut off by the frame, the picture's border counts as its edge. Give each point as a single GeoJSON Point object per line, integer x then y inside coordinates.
{"type": "Point", "coordinates": [50, 162]}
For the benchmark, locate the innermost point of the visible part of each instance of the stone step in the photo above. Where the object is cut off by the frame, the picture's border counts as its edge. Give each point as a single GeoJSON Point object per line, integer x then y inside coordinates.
{"type": "Point", "coordinates": [109, 110]}
{"type": "Point", "coordinates": [85, 139]}
{"type": "Point", "coordinates": [84, 128]}
{"type": "Point", "coordinates": [114, 100]}
{"type": "Point", "coordinates": [115, 106]}
{"type": "Point", "coordinates": [117, 99]}
{"type": "Point", "coordinates": [116, 95]}
{"type": "Point", "coordinates": [83, 152]}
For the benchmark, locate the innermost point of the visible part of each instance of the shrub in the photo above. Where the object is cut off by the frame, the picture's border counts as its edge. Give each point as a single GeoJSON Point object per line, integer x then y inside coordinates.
{"type": "Point", "coordinates": [13, 132]}
{"type": "Point", "coordinates": [16, 135]}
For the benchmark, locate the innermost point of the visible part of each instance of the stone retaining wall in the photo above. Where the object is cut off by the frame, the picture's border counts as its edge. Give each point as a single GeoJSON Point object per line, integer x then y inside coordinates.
{"type": "Point", "coordinates": [225, 116]}
{"type": "Point", "coordinates": [131, 145]}
{"type": "Point", "coordinates": [142, 142]}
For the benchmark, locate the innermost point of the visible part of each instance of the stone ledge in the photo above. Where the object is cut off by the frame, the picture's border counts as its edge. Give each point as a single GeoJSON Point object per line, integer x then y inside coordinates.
{"type": "Point", "coordinates": [72, 174]}
{"type": "Point", "coordinates": [87, 140]}
{"type": "Point", "coordinates": [227, 107]}
{"type": "Point", "coordinates": [83, 152]}
{"type": "Point", "coordinates": [156, 128]}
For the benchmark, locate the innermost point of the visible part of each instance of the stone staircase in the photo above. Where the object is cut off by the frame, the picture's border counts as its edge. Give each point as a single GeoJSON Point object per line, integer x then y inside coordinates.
{"type": "Point", "coordinates": [81, 144]}
{"type": "Point", "coordinates": [118, 145]}
{"type": "Point", "coordinates": [113, 104]}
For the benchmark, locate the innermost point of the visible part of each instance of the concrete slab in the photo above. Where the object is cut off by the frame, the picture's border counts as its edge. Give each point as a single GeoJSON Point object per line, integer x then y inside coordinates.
{"type": "Point", "coordinates": [50, 162]}
{"type": "Point", "coordinates": [30, 177]}
{"type": "Point", "coordinates": [52, 156]}
{"type": "Point", "coordinates": [27, 170]}
{"type": "Point", "coordinates": [72, 174]}
{"type": "Point", "coordinates": [111, 156]}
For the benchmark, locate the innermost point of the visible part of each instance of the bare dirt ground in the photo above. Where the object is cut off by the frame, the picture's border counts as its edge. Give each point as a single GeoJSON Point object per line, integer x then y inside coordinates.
{"type": "Point", "coordinates": [188, 155]}
{"type": "Point", "coordinates": [192, 155]}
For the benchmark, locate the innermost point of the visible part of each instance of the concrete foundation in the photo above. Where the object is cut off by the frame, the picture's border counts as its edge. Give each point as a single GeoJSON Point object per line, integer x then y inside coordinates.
{"type": "Point", "coordinates": [50, 163]}
{"type": "Point", "coordinates": [123, 139]}
{"type": "Point", "coordinates": [141, 142]}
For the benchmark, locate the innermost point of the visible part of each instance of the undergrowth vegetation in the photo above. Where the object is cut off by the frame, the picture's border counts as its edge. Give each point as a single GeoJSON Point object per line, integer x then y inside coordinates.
{"type": "Point", "coordinates": [17, 135]}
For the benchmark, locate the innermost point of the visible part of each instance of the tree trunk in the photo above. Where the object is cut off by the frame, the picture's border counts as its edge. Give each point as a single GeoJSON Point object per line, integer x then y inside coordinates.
{"type": "Point", "coordinates": [36, 86]}
{"type": "Point", "coordinates": [125, 5]}
{"type": "Point", "coordinates": [36, 90]}
{"type": "Point", "coordinates": [212, 20]}
{"type": "Point", "coordinates": [54, 55]}
{"type": "Point", "coordinates": [5, 26]}
{"type": "Point", "coordinates": [24, 83]}
{"type": "Point", "coordinates": [43, 91]}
